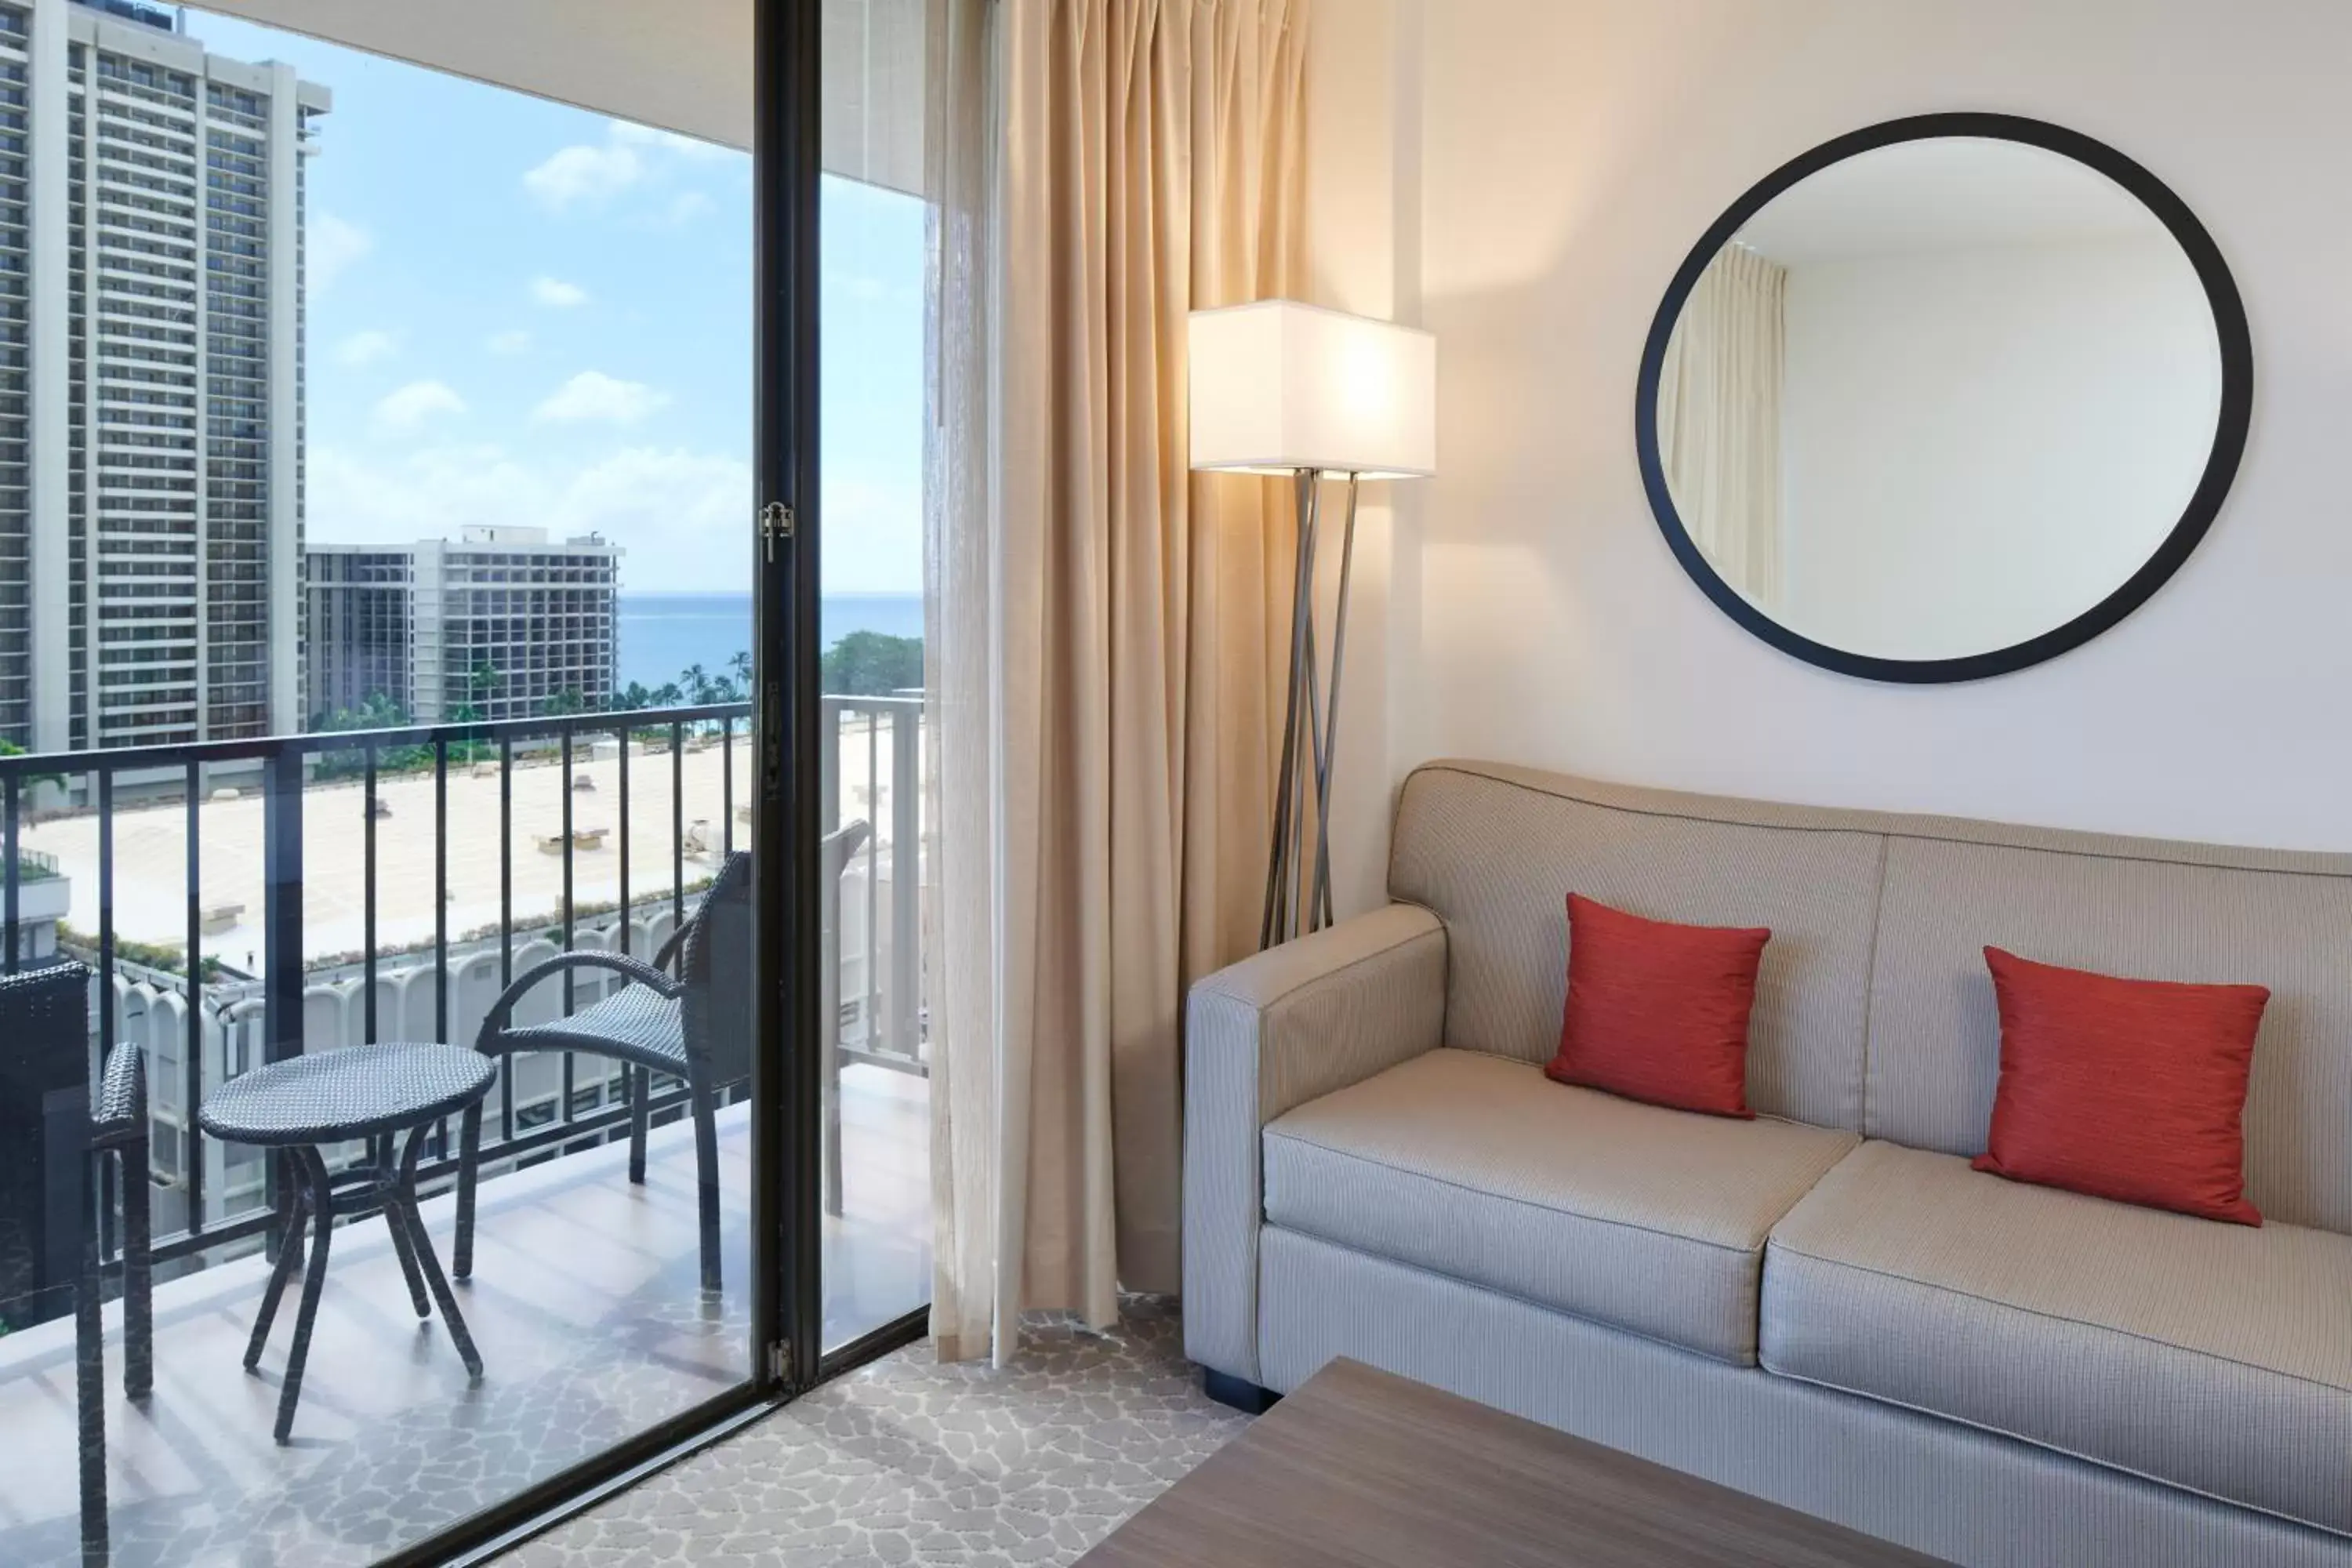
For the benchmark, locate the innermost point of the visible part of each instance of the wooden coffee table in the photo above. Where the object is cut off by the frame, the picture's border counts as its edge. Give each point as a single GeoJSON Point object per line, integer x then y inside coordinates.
{"type": "Point", "coordinates": [1360, 1466]}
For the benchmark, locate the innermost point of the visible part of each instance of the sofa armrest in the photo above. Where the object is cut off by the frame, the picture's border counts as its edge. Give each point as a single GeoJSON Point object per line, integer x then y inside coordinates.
{"type": "Point", "coordinates": [1270, 1033]}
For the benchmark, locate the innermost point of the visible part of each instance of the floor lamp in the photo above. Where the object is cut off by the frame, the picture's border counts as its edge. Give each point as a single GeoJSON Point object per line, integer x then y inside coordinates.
{"type": "Point", "coordinates": [1282, 388]}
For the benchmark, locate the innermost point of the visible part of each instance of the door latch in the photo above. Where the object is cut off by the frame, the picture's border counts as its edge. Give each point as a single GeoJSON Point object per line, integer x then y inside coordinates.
{"type": "Point", "coordinates": [776, 522]}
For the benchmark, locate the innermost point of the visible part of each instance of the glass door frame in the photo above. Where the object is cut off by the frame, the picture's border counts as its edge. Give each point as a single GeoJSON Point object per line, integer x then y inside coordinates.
{"type": "Point", "coordinates": [787, 1295]}
{"type": "Point", "coordinates": [787, 1163]}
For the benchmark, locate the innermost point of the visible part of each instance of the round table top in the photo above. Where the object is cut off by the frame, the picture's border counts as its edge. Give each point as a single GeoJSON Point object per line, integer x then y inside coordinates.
{"type": "Point", "coordinates": [352, 1091]}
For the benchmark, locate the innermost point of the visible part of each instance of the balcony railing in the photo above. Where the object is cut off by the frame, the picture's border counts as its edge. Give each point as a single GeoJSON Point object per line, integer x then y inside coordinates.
{"type": "Point", "coordinates": [226, 1018]}
{"type": "Point", "coordinates": [882, 1019]}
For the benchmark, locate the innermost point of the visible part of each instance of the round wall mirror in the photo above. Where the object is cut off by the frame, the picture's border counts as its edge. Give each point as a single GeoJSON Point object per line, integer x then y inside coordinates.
{"type": "Point", "coordinates": [1944, 398]}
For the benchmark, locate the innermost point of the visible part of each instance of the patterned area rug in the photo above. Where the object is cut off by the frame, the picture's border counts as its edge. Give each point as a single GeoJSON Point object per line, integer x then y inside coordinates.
{"type": "Point", "coordinates": [909, 1462]}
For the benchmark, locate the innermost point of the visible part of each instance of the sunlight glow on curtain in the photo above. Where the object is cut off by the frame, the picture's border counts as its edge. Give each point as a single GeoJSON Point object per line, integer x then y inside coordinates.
{"type": "Point", "coordinates": [959, 669]}
{"type": "Point", "coordinates": [1719, 418]}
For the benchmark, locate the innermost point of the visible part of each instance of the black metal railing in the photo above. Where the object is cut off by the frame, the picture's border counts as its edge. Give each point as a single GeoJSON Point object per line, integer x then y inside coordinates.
{"type": "Point", "coordinates": [284, 763]}
{"type": "Point", "coordinates": [882, 1017]}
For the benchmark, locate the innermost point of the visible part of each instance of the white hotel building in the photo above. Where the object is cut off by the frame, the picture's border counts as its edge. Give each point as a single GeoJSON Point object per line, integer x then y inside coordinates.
{"type": "Point", "coordinates": [502, 620]}
{"type": "Point", "coordinates": [150, 381]}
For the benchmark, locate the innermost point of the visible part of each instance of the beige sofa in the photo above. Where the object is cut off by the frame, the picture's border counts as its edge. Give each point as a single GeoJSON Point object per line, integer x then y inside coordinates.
{"type": "Point", "coordinates": [1825, 1306]}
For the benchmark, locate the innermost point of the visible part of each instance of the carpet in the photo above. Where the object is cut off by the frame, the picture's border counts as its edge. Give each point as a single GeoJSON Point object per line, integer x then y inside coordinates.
{"type": "Point", "coordinates": [909, 1462]}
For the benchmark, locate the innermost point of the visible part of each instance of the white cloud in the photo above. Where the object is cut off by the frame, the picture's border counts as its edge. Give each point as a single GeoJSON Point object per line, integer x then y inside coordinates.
{"type": "Point", "coordinates": [514, 341]}
{"type": "Point", "coordinates": [873, 533]}
{"type": "Point", "coordinates": [410, 407]}
{"type": "Point", "coordinates": [557, 294]}
{"type": "Point", "coordinates": [366, 348]}
{"type": "Point", "coordinates": [592, 174]}
{"type": "Point", "coordinates": [584, 175]}
{"type": "Point", "coordinates": [332, 245]}
{"type": "Point", "coordinates": [593, 395]}
{"type": "Point", "coordinates": [687, 514]}
{"type": "Point", "coordinates": [429, 494]}
{"type": "Point", "coordinates": [679, 515]}
{"type": "Point", "coordinates": [687, 205]}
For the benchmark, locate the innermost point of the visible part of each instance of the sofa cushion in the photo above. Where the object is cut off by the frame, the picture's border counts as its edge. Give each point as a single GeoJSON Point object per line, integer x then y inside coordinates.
{"type": "Point", "coordinates": [1478, 1167]}
{"type": "Point", "coordinates": [2212, 1357]}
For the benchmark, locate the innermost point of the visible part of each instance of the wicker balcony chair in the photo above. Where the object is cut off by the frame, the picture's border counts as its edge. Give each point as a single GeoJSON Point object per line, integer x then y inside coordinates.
{"type": "Point", "coordinates": [48, 1009]}
{"type": "Point", "coordinates": [694, 1025]}
{"type": "Point", "coordinates": [118, 1127]}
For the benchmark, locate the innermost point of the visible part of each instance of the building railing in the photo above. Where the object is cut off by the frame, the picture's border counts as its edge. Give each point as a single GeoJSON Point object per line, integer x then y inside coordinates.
{"type": "Point", "coordinates": [880, 947]}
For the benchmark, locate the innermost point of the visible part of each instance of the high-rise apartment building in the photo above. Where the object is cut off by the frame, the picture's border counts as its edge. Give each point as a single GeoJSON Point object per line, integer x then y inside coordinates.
{"type": "Point", "coordinates": [151, 380]}
{"type": "Point", "coordinates": [501, 621]}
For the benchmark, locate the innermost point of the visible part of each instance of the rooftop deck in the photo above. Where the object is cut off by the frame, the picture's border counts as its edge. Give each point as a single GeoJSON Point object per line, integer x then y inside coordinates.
{"type": "Point", "coordinates": [585, 1305]}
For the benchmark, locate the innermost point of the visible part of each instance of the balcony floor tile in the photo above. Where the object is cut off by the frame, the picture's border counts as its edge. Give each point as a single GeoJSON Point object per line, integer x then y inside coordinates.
{"type": "Point", "coordinates": [584, 1303]}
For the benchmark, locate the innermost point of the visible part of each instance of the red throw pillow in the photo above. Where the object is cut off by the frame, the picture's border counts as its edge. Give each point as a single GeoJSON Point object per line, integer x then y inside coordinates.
{"type": "Point", "coordinates": [1658, 1012]}
{"type": "Point", "coordinates": [2129, 1089]}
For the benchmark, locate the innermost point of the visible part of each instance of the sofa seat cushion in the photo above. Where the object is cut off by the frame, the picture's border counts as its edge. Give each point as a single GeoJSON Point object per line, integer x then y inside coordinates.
{"type": "Point", "coordinates": [1478, 1167]}
{"type": "Point", "coordinates": [2209, 1356]}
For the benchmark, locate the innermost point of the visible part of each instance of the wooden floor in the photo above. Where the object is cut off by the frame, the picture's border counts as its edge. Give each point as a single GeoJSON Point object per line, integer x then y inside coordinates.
{"type": "Point", "coordinates": [586, 1309]}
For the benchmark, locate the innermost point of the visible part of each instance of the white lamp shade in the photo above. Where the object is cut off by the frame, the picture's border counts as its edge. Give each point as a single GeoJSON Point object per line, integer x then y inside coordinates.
{"type": "Point", "coordinates": [1278, 386]}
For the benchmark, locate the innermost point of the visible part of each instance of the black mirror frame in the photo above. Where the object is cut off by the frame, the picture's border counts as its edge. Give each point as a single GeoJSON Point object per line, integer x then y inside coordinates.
{"type": "Point", "coordinates": [2204, 503]}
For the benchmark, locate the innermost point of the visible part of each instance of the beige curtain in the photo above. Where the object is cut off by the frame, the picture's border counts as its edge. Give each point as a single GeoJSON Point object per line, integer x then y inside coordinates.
{"type": "Point", "coordinates": [1719, 418]}
{"type": "Point", "coordinates": [1110, 637]}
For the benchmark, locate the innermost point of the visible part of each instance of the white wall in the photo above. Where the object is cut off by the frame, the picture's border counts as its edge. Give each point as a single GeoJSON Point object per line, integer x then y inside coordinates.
{"type": "Point", "coordinates": [1979, 444]}
{"type": "Point", "coordinates": [1353, 264]}
{"type": "Point", "coordinates": [1567, 154]}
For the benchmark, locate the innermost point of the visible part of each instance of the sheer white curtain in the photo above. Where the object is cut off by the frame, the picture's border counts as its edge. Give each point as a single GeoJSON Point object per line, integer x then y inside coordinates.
{"type": "Point", "coordinates": [960, 673]}
{"type": "Point", "coordinates": [1719, 417]}
{"type": "Point", "coordinates": [1109, 630]}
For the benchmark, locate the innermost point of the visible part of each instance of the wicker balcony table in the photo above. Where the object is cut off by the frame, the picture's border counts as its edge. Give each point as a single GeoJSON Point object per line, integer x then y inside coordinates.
{"type": "Point", "coordinates": [299, 1106]}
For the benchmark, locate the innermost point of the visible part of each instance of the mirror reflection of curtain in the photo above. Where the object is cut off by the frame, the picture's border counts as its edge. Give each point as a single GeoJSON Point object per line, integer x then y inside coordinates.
{"type": "Point", "coordinates": [1719, 418]}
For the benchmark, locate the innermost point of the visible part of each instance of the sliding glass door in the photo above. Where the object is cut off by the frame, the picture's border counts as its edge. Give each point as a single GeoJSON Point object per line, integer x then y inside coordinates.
{"type": "Point", "coordinates": [465, 843]}
{"type": "Point", "coordinates": [875, 742]}
{"type": "Point", "coordinates": [426, 893]}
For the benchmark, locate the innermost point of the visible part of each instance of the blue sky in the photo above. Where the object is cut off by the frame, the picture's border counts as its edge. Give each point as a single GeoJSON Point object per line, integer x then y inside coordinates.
{"type": "Point", "coordinates": [521, 311]}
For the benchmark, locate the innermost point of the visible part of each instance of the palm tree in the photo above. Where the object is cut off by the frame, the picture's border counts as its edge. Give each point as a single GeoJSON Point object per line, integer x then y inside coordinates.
{"type": "Point", "coordinates": [636, 695]}
{"type": "Point", "coordinates": [11, 749]}
{"type": "Point", "coordinates": [377, 710]}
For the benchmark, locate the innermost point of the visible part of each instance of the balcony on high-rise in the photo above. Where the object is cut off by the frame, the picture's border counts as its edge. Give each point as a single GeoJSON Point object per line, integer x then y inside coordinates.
{"type": "Point", "coordinates": [437, 863]}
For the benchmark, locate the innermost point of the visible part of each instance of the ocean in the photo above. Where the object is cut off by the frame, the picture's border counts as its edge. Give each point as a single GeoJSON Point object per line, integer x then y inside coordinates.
{"type": "Point", "coordinates": [663, 633]}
